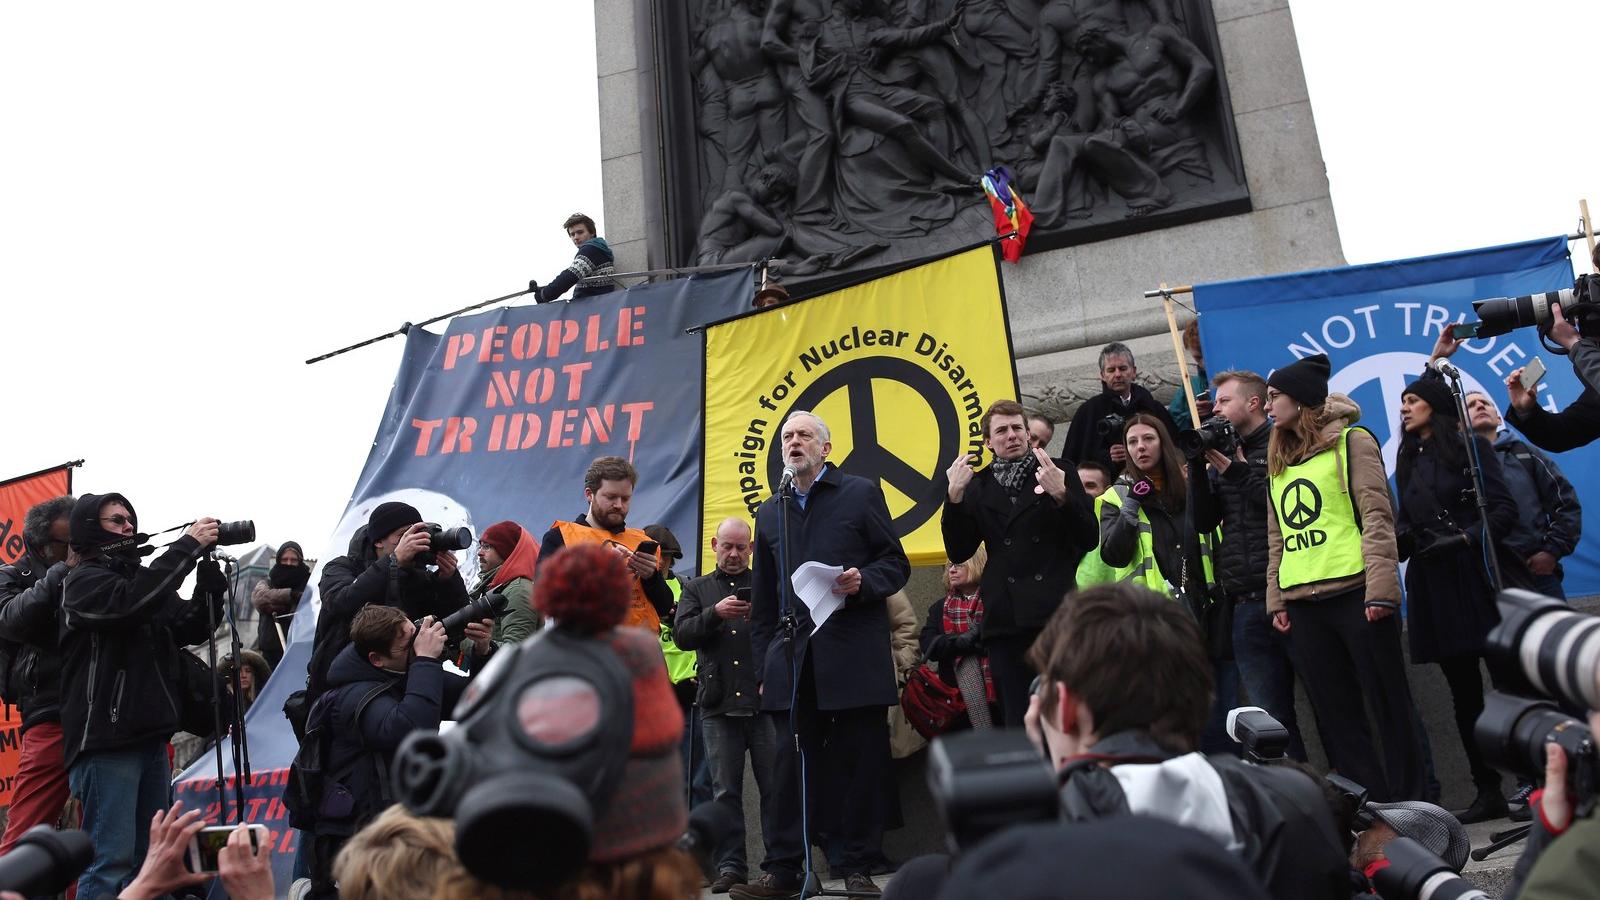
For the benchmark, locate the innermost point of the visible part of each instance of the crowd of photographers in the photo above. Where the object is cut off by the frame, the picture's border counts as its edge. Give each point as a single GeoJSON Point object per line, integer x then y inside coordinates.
{"type": "Point", "coordinates": [1108, 614]}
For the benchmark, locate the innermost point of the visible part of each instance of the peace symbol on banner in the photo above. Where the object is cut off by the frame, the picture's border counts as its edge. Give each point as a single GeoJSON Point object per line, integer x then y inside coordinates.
{"type": "Point", "coordinates": [919, 478]}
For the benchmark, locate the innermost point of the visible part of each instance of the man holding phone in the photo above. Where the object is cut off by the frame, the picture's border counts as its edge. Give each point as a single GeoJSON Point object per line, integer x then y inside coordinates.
{"type": "Point", "coordinates": [714, 621]}
{"type": "Point", "coordinates": [608, 488]}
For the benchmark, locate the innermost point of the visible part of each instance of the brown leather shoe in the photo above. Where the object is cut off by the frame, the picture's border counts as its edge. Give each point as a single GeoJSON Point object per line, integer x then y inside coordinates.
{"type": "Point", "coordinates": [860, 881]}
{"type": "Point", "coordinates": [767, 887]}
{"type": "Point", "coordinates": [725, 882]}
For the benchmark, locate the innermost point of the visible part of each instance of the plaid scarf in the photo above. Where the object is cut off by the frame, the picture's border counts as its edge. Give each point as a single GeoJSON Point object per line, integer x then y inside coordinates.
{"type": "Point", "coordinates": [960, 615]}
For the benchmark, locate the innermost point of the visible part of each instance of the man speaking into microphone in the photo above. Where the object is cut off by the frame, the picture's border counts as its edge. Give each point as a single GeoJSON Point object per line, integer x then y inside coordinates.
{"type": "Point", "coordinates": [842, 677]}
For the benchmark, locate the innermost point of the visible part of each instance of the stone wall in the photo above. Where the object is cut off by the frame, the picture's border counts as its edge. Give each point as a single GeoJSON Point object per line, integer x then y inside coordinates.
{"type": "Point", "coordinates": [1066, 303]}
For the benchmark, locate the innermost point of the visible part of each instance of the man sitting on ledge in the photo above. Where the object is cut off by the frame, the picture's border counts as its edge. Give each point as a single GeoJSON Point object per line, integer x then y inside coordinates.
{"type": "Point", "coordinates": [594, 259]}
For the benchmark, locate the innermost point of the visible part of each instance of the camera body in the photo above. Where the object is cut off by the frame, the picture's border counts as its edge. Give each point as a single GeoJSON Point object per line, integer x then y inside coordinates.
{"type": "Point", "coordinates": [1110, 424]}
{"type": "Point", "coordinates": [1215, 433]}
{"type": "Point", "coordinates": [443, 540]}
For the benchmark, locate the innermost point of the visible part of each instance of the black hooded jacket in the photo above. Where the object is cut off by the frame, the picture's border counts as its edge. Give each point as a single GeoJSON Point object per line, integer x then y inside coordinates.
{"type": "Point", "coordinates": [361, 578]}
{"type": "Point", "coordinates": [30, 607]}
{"type": "Point", "coordinates": [122, 625]}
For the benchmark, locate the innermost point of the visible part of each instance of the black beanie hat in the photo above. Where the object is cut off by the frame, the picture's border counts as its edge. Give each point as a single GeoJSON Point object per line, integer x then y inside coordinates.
{"type": "Point", "coordinates": [1305, 380]}
{"type": "Point", "coordinates": [389, 516]}
{"type": "Point", "coordinates": [85, 533]}
{"type": "Point", "coordinates": [1435, 394]}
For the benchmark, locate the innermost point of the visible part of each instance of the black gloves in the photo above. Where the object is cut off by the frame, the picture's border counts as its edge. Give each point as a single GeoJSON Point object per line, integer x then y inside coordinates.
{"type": "Point", "coordinates": [208, 578]}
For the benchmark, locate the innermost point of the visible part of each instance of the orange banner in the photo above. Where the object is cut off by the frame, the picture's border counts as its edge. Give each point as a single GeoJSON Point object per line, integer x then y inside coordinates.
{"type": "Point", "coordinates": [17, 496]}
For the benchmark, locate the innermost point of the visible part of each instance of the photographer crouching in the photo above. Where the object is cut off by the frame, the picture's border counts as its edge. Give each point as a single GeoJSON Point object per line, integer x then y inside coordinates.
{"type": "Point", "coordinates": [123, 625]}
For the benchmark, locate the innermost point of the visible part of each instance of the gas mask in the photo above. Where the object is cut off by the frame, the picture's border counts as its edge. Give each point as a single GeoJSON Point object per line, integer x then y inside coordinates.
{"type": "Point", "coordinates": [540, 745]}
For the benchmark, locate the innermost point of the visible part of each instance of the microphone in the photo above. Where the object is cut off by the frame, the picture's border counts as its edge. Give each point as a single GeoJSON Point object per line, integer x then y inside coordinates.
{"type": "Point", "coordinates": [788, 478]}
{"type": "Point", "coordinates": [219, 554]}
{"type": "Point", "coordinates": [1443, 367]}
{"type": "Point", "coordinates": [45, 861]}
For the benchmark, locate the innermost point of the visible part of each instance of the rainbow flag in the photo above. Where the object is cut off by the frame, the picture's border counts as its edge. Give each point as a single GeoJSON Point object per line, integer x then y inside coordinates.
{"type": "Point", "coordinates": [1011, 216]}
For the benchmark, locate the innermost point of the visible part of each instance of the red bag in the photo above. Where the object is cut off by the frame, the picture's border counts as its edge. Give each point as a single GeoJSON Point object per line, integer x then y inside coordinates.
{"type": "Point", "coordinates": [930, 705]}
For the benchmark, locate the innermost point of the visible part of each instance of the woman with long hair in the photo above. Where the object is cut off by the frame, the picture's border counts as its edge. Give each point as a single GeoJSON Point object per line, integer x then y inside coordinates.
{"type": "Point", "coordinates": [1449, 594]}
{"type": "Point", "coordinates": [1146, 534]}
{"type": "Point", "coordinates": [953, 638]}
{"type": "Point", "coordinates": [1333, 579]}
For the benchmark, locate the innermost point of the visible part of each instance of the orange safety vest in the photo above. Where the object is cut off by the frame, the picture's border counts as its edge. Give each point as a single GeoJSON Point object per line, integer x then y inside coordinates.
{"type": "Point", "coordinates": [640, 614]}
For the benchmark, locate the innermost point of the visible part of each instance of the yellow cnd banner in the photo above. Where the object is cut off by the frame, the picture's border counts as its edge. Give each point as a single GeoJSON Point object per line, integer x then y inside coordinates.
{"type": "Point", "coordinates": [900, 368]}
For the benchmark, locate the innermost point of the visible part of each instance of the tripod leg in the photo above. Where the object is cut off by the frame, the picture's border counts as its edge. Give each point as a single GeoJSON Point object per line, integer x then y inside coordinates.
{"type": "Point", "coordinates": [1499, 841]}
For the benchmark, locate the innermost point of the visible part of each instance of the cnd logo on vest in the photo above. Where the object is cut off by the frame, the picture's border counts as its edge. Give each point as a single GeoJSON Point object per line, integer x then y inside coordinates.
{"type": "Point", "coordinates": [1301, 506]}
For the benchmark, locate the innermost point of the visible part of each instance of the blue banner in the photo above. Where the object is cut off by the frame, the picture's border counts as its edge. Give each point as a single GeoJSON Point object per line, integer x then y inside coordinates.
{"type": "Point", "coordinates": [499, 418]}
{"type": "Point", "coordinates": [1378, 322]}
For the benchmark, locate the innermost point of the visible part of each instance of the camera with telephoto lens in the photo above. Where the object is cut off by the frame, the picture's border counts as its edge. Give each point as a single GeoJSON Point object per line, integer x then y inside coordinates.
{"type": "Point", "coordinates": [1215, 433]}
{"type": "Point", "coordinates": [1580, 304]}
{"type": "Point", "coordinates": [1414, 873]}
{"type": "Point", "coordinates": [443, 540]}
{"type": "Point", "coordinates": [489, 606]}
{"type": "Point", "coordinates": [240, 532]}
{"type": "Point", "coordinates": [1544, 648]}
{"type": "Point", "coordinates": [1513, 731]}
{"type": "Point", "coordinates": [1109, 424]}
{"type": "Point", "coordinates": [987, 781]}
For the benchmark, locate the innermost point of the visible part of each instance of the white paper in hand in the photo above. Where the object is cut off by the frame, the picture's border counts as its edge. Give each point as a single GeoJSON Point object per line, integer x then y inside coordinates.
{"type": "Point", "coordinates": [814, 586]}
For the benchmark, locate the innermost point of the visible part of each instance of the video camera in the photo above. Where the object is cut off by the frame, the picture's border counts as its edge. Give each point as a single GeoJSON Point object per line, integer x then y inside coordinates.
{"type": "Point", "coordinates": [1215, 433]}
{"type": "Point", "coordinates": [1580, 304]}
{"type": "Point", "coordinates": [1543, 647]}
{"type": "Point", "coordinates": [443, 540]}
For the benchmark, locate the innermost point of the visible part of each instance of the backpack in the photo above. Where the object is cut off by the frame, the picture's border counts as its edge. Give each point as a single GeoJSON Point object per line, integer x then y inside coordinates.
{"type": "Point", "coordinates": [311, 792]}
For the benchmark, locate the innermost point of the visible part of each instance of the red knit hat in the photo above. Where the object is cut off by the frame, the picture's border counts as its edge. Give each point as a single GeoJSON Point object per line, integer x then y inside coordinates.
{"type": "Point", "coordinates": [586, 588]}
{"type": "Point", "coordinates": [502, 537]}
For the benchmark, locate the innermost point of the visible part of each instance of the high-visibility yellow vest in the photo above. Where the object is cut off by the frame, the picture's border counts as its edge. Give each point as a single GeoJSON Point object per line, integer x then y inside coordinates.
{"type": "Point", "coordinates": [1317, 518]}
{"type": "Point", "coordinates": [1142, 568]}
{"type": "Point", "coordinates": [681, 664]}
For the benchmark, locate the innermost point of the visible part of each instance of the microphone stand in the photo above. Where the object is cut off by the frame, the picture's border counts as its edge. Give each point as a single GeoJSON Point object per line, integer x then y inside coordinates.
{"type": "Point", "coordinates": [241, 753]}
{"type": "Point", "coordinates": [1480, 491]}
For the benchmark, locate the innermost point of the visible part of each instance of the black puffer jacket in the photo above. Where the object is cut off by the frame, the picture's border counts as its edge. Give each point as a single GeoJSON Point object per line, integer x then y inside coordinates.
{"type": "Point", "coordinates": [123, 625]}
{"type": "Point", "coordinates": [1236, 501]}
{"type": "Point", "coordinates": [30, 607]}
{"type": "Point", "coordinates": [361, 578]}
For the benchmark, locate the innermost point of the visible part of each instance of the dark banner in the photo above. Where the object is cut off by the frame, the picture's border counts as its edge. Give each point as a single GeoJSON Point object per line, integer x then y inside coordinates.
{"type": "Point", "coordinates": [499, 418]}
